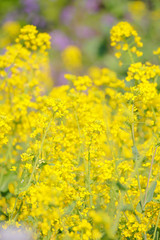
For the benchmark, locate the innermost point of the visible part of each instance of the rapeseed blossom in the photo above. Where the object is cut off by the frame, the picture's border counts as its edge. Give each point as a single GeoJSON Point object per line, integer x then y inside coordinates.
{"type": "Point", "coordinates": [125, 38]}
{"type": "Point", "coordinates": [79, 161]}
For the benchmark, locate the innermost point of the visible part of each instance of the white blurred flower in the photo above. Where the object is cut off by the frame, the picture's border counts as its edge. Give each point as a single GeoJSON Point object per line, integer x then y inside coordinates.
{"type": "Point", "coordinates": [12, 233]}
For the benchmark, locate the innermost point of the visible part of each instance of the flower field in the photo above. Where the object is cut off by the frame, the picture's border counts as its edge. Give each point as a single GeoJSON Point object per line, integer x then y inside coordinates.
{"type": "Point", "coordinates": [79, 158]}
{"type": "Point", "coordinates": [80, 161]}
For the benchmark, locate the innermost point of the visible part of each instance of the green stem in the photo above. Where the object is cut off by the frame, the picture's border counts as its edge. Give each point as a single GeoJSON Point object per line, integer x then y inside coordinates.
{"type": "Point", "coordinates": [89, 177]}
{"type": "Point", "coordinates": [116, 221]}
{"type": "Point", "coordinates": [14, 208]}
{"type": "Point", "coordinates": [149, 176]}
{"type": "Point", "coordinates": [40, 151]}
{"type": "Point", "coordinates": [131, 56]}
{"type": "Point", "coordinates": [18, 212]}
{"type": "Point", "coordinates": [155, 230]}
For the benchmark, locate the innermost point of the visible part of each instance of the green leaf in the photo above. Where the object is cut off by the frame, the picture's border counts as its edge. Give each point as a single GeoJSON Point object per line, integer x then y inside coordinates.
{"type": "Point", "coordinates": [107, 236]}
{"type": "Point", "coordinates": [124, 129]}
{"type": "Point", "coordinates": [31, 219]}
{"type": "Point", "coordinates": [156, 200]}
{"type": "Point", "coordinates": [158, 144]}
{"type": "Point", "coordinates": [149, 197]}
{"type": "Point", "coordinates": [8, 178]}
{"type": "Point", "coordinates": [139, 207]}
{"type": "Point", "coordinates": [151, 192]}
{"type": "Point", "coordinates": [121, 186]}
{"type": "Point", "coordinates": [135, 151]}
{"type": "Point", "coordinates": [127, 207]}
{"type": "Point", "coordinates": [4, 214]}
{"type": "Point", "coordinates": [70, 208]}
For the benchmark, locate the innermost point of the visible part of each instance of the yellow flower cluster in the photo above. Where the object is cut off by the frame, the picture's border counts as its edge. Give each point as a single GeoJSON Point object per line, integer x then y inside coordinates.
{"type": "Point", "coordinates": [80, 83]}
{"type": "Point", "coordinates": [33, 40]}
{"type": "Point", "coordinates": [125, 38]}
{"type": "Point", "coordinates": [142, 72]}
{"type": "Point", "coordinates": [82, 161]}
{"type": "Point", "coordinates": [105, 77]}
{"type": "Point", "coordinates": [5, 129]}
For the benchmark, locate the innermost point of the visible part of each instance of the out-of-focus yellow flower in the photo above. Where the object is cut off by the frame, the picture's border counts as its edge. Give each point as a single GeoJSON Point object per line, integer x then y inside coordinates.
{"type": "Point", "coordinates": [72, 58]}
{"type": "Point", "coordinates": [155, 14]}
{"type": "Point", "coordinates": [11, 188]}
{"type": "Point", "coordinates": [9, 32]}
{"type": "Point", "coordinates": [137, 8]}
{"type": "Point", "coordinates": [11, 28]}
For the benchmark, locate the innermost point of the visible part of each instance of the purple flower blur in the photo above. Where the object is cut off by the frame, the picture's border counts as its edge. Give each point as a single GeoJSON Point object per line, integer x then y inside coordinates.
{"type": "Point", "coordinates": [38, 21]}
{"type": "Point", "coordinates": [84, 32]}
{"type": "Point", "coordinates": [67, 14]}
{"type": "Point", "coordinates": [92, 5]}
{"type": "Point", "coordinates": [11, 16]}
{"type": "Point", "coordinates": [59, 40]}
{"type": "Point", "coordinates": [30, 6]}
{"type": "Point", "coordinates": [108, 20]}
{"type": "Point", "coordinates": [61, 79]}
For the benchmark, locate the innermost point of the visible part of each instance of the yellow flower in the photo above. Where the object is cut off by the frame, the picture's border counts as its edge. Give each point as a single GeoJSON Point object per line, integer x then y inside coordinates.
{"type": "Point", "coordinates": [72, 58]}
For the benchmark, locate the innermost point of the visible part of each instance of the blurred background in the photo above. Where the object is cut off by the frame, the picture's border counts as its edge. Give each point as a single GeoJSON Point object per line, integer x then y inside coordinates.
{"type": "Point", "coordinates": [80, 30]}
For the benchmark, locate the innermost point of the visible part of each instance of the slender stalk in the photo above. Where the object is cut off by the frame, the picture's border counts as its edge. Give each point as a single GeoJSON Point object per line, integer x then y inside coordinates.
{"type": "Point", "coordinates": [11, 217]}
{"type": "Point", "coordinates": [134, 145]}
{"type": "Point", "coordinates": [155, 230]}
{"type": "Point", "coordinates": [130, 55]}
{"type": "Point", "coordinates": [116, 222]}
{"type": "Point", "coordinates": [40, 151]}
{"type": "Point", "coordinates": [89, 177]}
{"type": "Point", "coordinates": [18, 212]}
{"type": "Point", "coordinates": [80, 135]}
{"type": "Point", "coordinates": [132, 131]}
{"type": "Point", "coordinates": [149, 176]}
